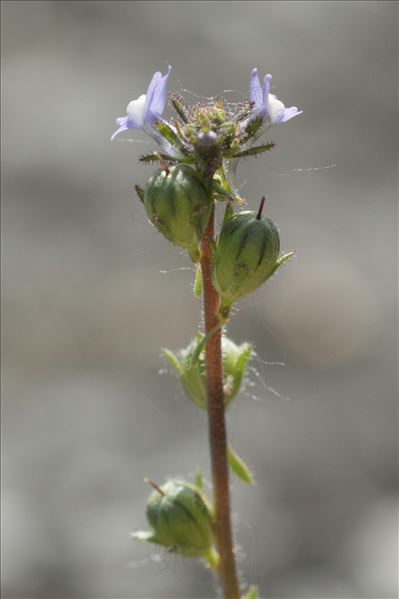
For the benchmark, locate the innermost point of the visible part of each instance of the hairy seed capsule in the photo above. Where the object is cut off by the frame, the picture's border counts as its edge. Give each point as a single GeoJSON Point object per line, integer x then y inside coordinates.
{"type": "Point", "coordinates": [245, 256]}
{"type": "Point", "coordinates": [181, 518]}
{"type": "Point", "coordinates": [178, 205]}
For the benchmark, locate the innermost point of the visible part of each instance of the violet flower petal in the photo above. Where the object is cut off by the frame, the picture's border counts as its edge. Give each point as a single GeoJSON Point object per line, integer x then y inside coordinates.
{"type": "Point", "coordinates": [255, 90]}
{"type": "Point", "coordinates": [158, 101]}
{"type": "Point", "coordinates": [289, 113]}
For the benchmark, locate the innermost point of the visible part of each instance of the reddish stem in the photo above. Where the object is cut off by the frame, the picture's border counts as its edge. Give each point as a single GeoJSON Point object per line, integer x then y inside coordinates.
{"type": "Point", "coordinates": [217, 425]}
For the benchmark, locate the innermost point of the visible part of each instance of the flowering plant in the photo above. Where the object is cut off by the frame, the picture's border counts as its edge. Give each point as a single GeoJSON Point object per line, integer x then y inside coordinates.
{"type": "Point", "coordinates": [197, 155]}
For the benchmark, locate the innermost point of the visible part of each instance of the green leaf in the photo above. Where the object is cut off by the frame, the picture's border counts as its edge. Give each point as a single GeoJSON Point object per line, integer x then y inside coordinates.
{"type": "Point", "coordinates": [239, 467]}
{"type": "Point", "coordinates": [256, 150]}
{"type": "Point", "coordinates": [252, 593]}
{"type": "Point", "coordinates": [197, 288]}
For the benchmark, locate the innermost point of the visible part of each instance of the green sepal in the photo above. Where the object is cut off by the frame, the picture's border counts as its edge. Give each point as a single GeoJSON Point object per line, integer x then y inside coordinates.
{"type": "Point", "coordinates": [252, 593]}
{"type": "Point", "coordinates": [235, 360]}
{"type": "Point", "coordinates": [253, 128]}
{"type": "Point", "coordinates": [255, 151]}
{"type": "Point", "coordinates": [283, 260]}
{"type": "Point", "coordinates": [221, 188]}
{"type": "Point", "coordinates": [140, 192]}
{"type": "Point", "coordinates": [144, 535]}
{"type": "Point", "coordinates": [228, 213]}
{"type": "Point", "coordinates": [167, 132]}
{"type": "Point", "coordinates": [239, 467]}
{"type": "Point", "coordinates": [199, 480]}
{"type": "Point", "coordinates": [155, 157]}
{"type": "Point", "coordinates": [190, 373]}
{"type": "Point", "coordinates": [172, 359]}
{"type": "Point", "coordinates": [181, 110]}
{"type": "Point", "coordinates": [243, 113]}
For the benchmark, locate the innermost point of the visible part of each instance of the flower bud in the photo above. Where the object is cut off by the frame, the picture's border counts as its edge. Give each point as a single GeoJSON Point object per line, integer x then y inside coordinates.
{"type": "Point", "coordinates": [179, 206]}
{"type": "Point", "coordinates": [190, 368]}
{"type": "Point", "coordinates": [245, 256]}
{"type": "Point", "coordinates": [181, 518]}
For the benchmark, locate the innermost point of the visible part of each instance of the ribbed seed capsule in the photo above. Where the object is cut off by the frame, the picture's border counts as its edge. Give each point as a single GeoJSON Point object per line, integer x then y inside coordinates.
{"type": "Point", "coordinates": [245, 256]}
{"type": "Point", "coordinates": [181, 518]}
{"type": "Point", "coordinates": [179, 206]}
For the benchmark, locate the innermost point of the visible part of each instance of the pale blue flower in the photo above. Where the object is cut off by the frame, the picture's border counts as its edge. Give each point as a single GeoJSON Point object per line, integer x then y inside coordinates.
{"type": "Point", "coordinates": [265, 105]}
{"type": "Point", "coordinates": [147, 110]}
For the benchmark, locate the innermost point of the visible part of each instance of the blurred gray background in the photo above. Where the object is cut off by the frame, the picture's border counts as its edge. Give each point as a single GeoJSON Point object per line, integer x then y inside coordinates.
{"type": "Point", "coordinates": [91, 293]}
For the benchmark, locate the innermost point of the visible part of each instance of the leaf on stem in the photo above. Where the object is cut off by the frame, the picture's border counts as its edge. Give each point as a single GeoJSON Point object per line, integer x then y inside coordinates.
{"type": "Point", "coordinates": [252, 593]}
{"type": "Point", "coordinates": [239, 467]}
{"type": "Point", "coordinates": [197, 287]}
{"type": "Point", "coordinates": [255, 150]}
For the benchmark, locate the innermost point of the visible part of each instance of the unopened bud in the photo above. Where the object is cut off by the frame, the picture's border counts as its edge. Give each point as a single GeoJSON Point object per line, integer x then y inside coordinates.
{"type": "Point", "coordinates": [207, 139]}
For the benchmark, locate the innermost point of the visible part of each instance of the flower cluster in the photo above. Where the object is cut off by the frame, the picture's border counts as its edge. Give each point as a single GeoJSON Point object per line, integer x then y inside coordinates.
{"type": "Point", "coordinates": [207, 127]}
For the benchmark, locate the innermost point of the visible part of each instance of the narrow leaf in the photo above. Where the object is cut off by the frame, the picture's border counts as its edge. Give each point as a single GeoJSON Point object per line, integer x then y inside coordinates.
{"type": "Point", "coordinates": [252, 593]}
{"type": "Point", "coordinates": [197, 288]}
{"type": "Point", "coordinates": [256, 150]}
{"type": "Point", "coordinates": [239, 467]}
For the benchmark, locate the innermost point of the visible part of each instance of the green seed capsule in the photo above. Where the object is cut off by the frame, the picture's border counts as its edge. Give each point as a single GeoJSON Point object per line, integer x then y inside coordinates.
{"type": "Point", "coordinates": [181, 518]}
{"type": "Point", "coordinates": [178, 205]}
{"type": "Point", "coordinates": [245, 256]}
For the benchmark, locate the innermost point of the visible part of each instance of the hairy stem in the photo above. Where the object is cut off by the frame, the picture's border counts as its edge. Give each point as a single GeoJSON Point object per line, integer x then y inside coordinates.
{"type": "Point", "coordinates": [217, 425]}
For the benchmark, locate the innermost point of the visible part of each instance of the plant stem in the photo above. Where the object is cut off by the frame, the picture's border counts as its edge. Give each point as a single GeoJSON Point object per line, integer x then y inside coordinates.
{"type": "Point", "coordinates": [217, 425]}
